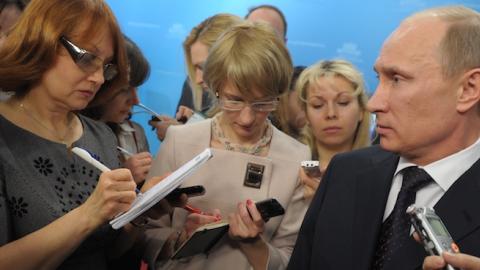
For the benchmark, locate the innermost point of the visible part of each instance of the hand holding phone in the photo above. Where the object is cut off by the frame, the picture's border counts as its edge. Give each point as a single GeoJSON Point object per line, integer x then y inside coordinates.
{"type": "Point", "coordinates": [311, 168]}
{"type": "Point", "coordinates": [269, 208]}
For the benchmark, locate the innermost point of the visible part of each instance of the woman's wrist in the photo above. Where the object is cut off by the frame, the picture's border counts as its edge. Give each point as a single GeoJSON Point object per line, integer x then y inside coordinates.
{"type": "Point", "coordinates": [253, 243]}
{"type": "Point", "coordinates": [86, 223]}
{"type": "Point", "coordinates": [256, 250]}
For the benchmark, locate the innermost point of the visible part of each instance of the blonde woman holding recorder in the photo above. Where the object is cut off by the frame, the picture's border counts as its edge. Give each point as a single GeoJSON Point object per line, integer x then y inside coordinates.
{"type": "Point", "coordinates": [333, 97]}
{"type": "Point", "coordinates": [248, 68]}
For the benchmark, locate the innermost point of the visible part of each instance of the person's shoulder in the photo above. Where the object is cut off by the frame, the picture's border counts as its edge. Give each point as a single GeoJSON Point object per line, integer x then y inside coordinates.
{"type": "Point", "coordinates": [135, 124]}
{"type": "Point", "coordinates": [190, 132]}
{"type": "Point", "coordinates": [95, 126]}
{"type": "Point", "coordinates": [283, 143]}
{"type": "Point", "coordinates": [363, 157]}
{"type": "Point", "coordinates": [285, 138]}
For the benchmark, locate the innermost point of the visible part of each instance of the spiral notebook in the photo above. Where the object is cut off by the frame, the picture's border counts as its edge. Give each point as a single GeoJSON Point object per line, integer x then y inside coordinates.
{"type": "Point", "coordinates": [146, 200]}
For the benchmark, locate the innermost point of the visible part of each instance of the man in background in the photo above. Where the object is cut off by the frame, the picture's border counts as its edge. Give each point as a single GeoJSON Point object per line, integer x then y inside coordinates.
{"type": "Point", "coordinates": [270, 15]}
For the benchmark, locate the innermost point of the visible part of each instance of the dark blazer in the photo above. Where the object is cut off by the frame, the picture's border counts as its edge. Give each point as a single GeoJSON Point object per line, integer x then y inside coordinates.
{"type": "Point", "coordinates": [342, 225]}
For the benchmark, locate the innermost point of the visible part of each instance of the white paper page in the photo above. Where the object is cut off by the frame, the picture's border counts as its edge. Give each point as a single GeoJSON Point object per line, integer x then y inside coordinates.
{"type": "Point", "coordinates": [148, 199]}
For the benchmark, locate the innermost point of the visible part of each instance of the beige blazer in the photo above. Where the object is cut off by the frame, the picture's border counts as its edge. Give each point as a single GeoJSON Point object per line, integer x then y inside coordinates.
{"type": "Point", "coordinates": [223, 178]}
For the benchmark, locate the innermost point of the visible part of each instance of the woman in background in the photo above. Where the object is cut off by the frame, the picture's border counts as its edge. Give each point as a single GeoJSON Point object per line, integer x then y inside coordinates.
{"type": "Point", "coordinates": [195, 49]}
{"type": "Point", "coordinates": [248, 68]}
{"type": "Point", "coordinates": [134, 151]}
{"type": "Point", "coordinates": [10, 11]}
{"type": "Point", "coordinates": [334, 101]}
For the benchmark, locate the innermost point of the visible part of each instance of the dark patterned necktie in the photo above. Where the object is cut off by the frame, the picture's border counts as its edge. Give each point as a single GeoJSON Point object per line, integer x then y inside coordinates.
{"type": "Point", "coordinates": [395, 230]}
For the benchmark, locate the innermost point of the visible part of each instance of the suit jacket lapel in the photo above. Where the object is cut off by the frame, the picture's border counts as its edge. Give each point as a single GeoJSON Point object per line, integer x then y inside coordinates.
{"type": "Point", "coordinates": [458, 208]}
{"type": "Point", "coordinates": [372, 188]}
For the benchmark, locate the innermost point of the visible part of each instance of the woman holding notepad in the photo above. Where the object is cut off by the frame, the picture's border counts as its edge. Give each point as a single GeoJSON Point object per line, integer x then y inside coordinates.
{"type": "Point", "coordinates": [247, 68]}
{"type": "Point", "coordinates": [54, 206]}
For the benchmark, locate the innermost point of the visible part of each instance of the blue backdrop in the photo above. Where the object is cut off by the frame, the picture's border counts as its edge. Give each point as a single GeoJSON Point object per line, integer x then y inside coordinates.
{"type": "Point", "coordinates": [317, 29]}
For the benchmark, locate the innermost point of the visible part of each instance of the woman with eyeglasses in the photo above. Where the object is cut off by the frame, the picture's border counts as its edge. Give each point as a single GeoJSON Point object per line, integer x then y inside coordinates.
{"type": "Point", "coordinates": [54, 206]}
{"type": "Point", "coordinates": [248, 67]}
{"type": "Point", "coordinates": [334, 99]}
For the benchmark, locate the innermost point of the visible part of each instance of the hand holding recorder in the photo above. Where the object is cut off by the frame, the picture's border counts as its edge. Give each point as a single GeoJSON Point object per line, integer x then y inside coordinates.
{"type": "Point", "coordinates": [310, 175]}
{"type": "Point", "coordinates": [458, 260]}
{"type": "Point", "coordinates": [311, 168]}
{"type": "Point", "coordinates": [431, 231]}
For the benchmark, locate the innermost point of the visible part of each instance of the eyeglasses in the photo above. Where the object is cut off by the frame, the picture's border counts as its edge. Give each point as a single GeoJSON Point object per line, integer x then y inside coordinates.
{"type": "Point", "coordinates": [235, 105]}
{"type": "Point", "coordinates": [87, 61]}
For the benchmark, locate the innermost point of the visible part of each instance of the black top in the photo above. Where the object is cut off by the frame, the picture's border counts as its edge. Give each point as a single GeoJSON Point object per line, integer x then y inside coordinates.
{"type": "Point", "coordinates": [41, 180]}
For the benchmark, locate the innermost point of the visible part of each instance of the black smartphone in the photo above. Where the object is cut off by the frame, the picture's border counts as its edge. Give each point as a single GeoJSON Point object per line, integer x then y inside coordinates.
{"type": "Point", "coordinates": [190, 191]}
{"type": "Point", "coordinates": [269, 208]}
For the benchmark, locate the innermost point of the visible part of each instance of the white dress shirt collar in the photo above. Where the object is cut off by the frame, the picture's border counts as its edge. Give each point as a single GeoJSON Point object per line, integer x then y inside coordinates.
{"type": "Point", "coordinates": [447, 170]}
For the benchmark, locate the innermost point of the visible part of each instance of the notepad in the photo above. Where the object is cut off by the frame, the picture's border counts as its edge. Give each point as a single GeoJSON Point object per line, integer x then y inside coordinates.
{"type": "Point", "coordinates": [202, 240]}
{"type": "Point", "coordinates": [146, 200]}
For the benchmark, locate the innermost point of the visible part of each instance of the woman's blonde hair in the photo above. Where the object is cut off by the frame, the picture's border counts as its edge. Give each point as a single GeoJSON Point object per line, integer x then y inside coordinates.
{"type": "Point", "coordinates": [345, 70]}
{"type": "Point", "coordinates": [32, 46]}
{"type": "Point", "coordinates": [251, 57]}
{"type": "Point", "coordinates": [207, 32]}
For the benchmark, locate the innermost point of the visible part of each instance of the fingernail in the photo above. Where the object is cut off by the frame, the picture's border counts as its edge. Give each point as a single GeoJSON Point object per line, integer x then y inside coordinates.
{"type": "Point", "coordinates": [455, 248]}
{"type": "Point", "coordinates": [249, 202]}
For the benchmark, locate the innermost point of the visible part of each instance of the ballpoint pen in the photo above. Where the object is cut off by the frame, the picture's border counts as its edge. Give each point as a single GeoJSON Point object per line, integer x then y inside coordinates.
{"type": "Point", "coordinates": [125, 151]}
{"type": "Point", "coordinates": [85, 155]}
{"type": "Point", "coordinates": [152, 112]}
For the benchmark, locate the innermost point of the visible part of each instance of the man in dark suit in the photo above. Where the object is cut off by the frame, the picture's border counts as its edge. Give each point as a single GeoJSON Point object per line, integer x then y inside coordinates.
{"type": "Point", "coordinates": [428, 120]}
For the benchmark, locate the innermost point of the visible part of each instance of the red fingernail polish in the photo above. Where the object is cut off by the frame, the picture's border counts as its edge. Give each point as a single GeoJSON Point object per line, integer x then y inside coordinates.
{"type": "Point", "coordinates": [249, 202]}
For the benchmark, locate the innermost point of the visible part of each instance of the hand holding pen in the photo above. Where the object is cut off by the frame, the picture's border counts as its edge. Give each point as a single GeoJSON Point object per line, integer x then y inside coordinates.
{"type": "Point", "coordinates": [139, 164]}
{"type": "Point", "coordinates": [88, 157]}
{"type": "Point", "coordinates": [163, 207]}
{"type": "Point", "coordinates": [113, 194]}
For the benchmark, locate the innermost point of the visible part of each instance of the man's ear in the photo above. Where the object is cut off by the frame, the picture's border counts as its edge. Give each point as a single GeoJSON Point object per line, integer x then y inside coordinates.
{"type": "Point", "coordinates": [468, 94]}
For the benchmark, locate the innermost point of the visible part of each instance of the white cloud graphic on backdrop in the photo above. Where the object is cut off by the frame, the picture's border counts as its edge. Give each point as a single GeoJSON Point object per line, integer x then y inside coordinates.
{"type": "Point", "coordinates": [305, 44]}
{"type": "Point", "coordinates": [177, 30]}
{"type": "Point", "coordinates": [349, 51]}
